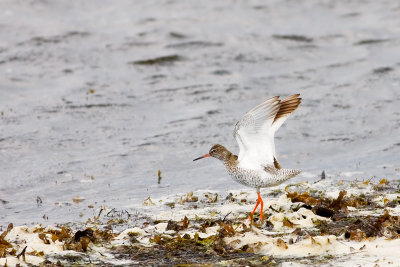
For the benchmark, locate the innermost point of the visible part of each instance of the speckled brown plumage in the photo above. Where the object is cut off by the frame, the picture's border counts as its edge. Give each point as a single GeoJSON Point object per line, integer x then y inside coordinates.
{"type": "Point", "coordinates": [270, 176]}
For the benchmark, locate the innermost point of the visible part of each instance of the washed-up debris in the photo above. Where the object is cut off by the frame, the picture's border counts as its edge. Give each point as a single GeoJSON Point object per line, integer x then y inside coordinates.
{"type": "Point", "coordinates": [338, 204]}
{"type": "Point", "coordinates": [159, 177]}
{"type": "Point", "coordinates": [4, 244]}
{"type": "Point", "coordinates": [286, 222]}
{"type": "Point", "coordinates": [78, 199]}
{"type": "Point", "coordinates": [22, 253]}
{"type": "Point", "coordinates": [39, 201]}
{"type": "Point", "coordinates": [212, 198]}
{"type": "Point", "coordinates": [307, 225]}
{"type": "Point", "coordinates": [190, 197]}
{"type": "Point", "coordinates": [148, 202]}
{"type": "Point", "coordinates": [305, 198]}
{"type": "Point", "coordinates": [172, 225]}
{"type": "Point", "coordinates": [323, 211]}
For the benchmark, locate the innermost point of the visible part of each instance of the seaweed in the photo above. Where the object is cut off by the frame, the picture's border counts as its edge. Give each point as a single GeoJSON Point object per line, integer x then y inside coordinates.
{"type": "Point", "coordinates": [281, 244]}
{"type": "Point", "coordinates": [85, 233]}
{"type": "Point", "coordinates": [228, 242]}
{"type": "Point", "coordinates": [305, 198]}
{"type": "Point", "coordinates": [361, 227]}
{"type": "Point", "coordinates": [189, 198]}
{"type": "Point", "coordinates": [286, 222]}
{"type": "Point", "coordinates": [148, 202]}
{"type": "Point", "coordinates": [4, 244]}
{"type": "Point", "coordinates": [338, 204]}
{"type": "Point", "coordinates": [180, 251]}
{"type": "Point", "coordinates": [212, 198]}
{"type": "Point", "coordinates": [159, 177]}
{"type": "Point", "coordinates": [324, 212]}
{"type": "Point", "coordinates": [175, 226]}
{"type": "Point", "coordinates": [358, 201]}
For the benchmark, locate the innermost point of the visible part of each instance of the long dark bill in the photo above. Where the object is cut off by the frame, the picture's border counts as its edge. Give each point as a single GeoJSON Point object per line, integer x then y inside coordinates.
{"type": "Point", "coordinates": [205, 156]}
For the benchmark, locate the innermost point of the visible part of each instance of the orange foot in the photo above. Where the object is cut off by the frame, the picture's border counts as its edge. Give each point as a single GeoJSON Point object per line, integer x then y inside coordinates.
{"type": "Point", "coordinates": [259, 200]}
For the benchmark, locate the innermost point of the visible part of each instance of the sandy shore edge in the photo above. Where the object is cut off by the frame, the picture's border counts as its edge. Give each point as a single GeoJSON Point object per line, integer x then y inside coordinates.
{"type": "Point", "coordinates": [321, 223]}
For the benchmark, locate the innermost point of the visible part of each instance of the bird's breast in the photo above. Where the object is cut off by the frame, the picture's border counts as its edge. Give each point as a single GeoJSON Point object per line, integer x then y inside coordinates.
{"type": "Point", "coordinates": [246, 177]}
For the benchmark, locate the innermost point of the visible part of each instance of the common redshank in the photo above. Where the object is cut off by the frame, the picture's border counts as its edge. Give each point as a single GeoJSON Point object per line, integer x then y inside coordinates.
{"type": "Point", "coordinates": [257, 166]}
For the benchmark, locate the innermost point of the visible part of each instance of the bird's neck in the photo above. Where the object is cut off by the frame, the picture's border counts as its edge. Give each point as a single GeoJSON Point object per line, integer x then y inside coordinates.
{"type": "Point", "coordinates": [230, 160]}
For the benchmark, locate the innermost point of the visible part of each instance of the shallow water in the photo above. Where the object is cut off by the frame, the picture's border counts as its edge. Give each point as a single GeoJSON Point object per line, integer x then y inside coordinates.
{"type": "Point", "coordinates": [95, 99]}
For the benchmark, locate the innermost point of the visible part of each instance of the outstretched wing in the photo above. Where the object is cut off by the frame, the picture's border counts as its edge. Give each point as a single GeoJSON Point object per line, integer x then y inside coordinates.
{"type": "Point", "coordinates": [255, 131]}
{"type": "Point", "coordinates": [288, 105]}
{"type": "Point", "coordinates": [255, 136]}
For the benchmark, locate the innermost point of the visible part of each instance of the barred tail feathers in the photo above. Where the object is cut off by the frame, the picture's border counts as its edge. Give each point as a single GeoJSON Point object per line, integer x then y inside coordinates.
{"type": "Point", "coordinates": [282, 175]}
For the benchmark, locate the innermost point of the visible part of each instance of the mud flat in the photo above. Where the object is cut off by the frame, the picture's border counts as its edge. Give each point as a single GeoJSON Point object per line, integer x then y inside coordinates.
{"type": "Point", "coordinates": [323, 223]}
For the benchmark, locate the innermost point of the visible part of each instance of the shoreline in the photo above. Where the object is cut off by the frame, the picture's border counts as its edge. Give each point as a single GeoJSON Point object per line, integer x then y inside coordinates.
{"type": "Point", "coordinates": [321, 223]}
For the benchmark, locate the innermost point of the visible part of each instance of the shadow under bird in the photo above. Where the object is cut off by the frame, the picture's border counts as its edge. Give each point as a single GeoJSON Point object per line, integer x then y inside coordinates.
{"type": "Point", "coordinates": [256, 165]}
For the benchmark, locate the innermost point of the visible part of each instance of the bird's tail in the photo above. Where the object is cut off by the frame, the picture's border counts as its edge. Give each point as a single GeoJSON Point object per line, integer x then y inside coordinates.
{"type": "Point", "coordinates": [284, 175]}
{"type": "Point", "coordinates": [290, 173]}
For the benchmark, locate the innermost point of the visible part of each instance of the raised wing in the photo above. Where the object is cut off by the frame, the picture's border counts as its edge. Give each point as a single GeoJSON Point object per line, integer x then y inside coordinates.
{"type": "Point", "coordinates": [255, 131]}
{"type": "Point", "coordinates": [254, 134]}
{"type": "Point", "coordinates": [288, 105]}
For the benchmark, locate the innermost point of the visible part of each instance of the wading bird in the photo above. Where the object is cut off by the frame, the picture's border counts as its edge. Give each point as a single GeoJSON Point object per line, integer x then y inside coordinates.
{"type": "Point", "coordinates": [257, 166]}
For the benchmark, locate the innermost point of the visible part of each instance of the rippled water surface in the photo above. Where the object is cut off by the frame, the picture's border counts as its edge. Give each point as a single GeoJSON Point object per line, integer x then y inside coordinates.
{"type": "Point", "coordinates": [96, 97]}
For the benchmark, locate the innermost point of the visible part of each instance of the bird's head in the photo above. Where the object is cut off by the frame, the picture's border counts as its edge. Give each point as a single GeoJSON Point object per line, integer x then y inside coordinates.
{"type": "Point", "coordinates": [216, 151]}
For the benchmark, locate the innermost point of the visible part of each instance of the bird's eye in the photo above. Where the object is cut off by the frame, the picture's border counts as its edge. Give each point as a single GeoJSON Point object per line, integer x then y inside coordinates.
{"type": "Point", "coordinates": [213, 150]}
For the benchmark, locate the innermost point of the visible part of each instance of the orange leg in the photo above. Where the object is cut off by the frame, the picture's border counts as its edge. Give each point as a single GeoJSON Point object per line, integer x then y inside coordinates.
{"type": "Point", "coordinates": [259, 200]}
{"type": "Point", "coordinates": [262, 206]}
